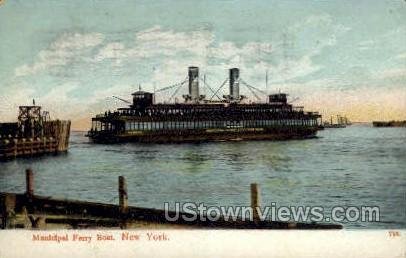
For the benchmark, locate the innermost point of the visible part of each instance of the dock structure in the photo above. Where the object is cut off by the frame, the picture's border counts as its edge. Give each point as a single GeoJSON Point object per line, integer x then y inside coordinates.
{"type": "Point", "coordinates": [200, 118]}
{"type": "Point", "coordinates": [28, 210]}
{"type": "Point", "coordinates": [34, 134]}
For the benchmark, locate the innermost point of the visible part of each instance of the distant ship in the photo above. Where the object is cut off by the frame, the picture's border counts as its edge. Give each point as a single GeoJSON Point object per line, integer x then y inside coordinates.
{"type": "Point", "coordinates": [34, 134]}
{"type": "Point", "coordinates": [389, 123]}
{"type": "Point", "coordinates": [201, 119]}
{"type": "Point", "coordinates": [342, 122]}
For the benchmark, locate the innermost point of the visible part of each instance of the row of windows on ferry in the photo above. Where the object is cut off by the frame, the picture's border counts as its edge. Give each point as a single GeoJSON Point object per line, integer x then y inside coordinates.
{"type": "Point", "coordinates": [152, 112]}
{"type": "Point", "coordinates": [171, 125]}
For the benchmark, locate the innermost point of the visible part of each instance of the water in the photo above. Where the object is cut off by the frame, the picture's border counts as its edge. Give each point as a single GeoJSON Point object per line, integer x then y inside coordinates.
{"type": "Point", "coordinates": [355, 166]}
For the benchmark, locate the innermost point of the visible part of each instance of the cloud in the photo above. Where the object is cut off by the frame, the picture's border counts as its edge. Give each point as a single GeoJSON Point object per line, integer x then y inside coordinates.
{"type": "Point", "coordinates": [155, 42]}
{"type": "Point", "coordinates": [314, 33]}
{"type": "Point", "coordinates": [77, 41]}
{"type": "Point", "coordinates": [57, 100]}
{"type": "Point", "coordinates": [60, 52]}
{"type": "Point", "coordinates": [165, 44]}
{"type": "Point", "coordinates": [229, 50]}
{"type": "Point", "coordinates": [172, 51]}
{"type": "Point", "coordinates": [386, 42]}
{"type": "Point", "coordinates": [366, 44]}
{"type": "Point", "coordinates": [392, 73]}
{"type": "Point", "coordinates": [401, 56]}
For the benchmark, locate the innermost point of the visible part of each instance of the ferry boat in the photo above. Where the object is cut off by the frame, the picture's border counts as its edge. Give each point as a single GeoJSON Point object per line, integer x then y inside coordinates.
{"type": "Point", "coordinates": [200, 119]}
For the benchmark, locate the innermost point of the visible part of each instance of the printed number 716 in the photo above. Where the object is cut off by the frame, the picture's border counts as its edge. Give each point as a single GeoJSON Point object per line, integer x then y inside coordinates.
{"type": "Point", "coordinates": [394, 234]}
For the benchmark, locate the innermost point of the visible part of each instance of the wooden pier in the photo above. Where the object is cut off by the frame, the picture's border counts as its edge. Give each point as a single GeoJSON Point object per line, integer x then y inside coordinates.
{"type": "Point", "coordinates": [34, 134]}
{"type": "Point", "coordinates": [29, 211]}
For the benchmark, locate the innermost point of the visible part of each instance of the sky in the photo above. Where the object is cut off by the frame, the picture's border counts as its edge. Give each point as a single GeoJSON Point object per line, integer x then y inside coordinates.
{"type": "Point", "coordinates": [332, 56]}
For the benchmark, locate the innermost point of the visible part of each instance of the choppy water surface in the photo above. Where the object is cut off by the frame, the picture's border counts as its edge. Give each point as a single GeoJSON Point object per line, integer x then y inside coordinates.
{"type": "Point", "coordinates": [355, 166]}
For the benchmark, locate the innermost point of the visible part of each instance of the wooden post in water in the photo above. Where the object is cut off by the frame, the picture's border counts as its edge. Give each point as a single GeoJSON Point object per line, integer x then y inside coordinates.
{"type": "Point", "coordinates": [29, 180]}
{"type": "Point", "coordinates": [255, 201]}
{"type": "Point", "coordinates": [123, 200]}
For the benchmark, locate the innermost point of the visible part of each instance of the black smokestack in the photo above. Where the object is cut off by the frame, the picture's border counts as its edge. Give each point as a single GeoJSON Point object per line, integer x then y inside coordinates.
{"type": "Point", "coordinates": [234, 83]}
{"type": "Point", "coordinates": [194, 83]}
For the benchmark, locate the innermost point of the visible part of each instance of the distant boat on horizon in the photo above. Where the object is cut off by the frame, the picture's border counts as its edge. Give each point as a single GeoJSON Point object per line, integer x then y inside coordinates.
{"type": "Point", "coordinates": [392, 123]}
{"type": "Point", "coordinates": [342, 122]}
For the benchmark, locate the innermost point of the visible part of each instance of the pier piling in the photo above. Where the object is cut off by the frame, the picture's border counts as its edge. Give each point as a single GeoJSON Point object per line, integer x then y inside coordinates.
{"type": "Point", "coordinates": [123, 197]}
{"type": "Point", "coordinates": [29, 180]}
{"type": "Point", "coordinates": [255, 201]}
{"type": "Point", "coordinates": [123, 200]}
